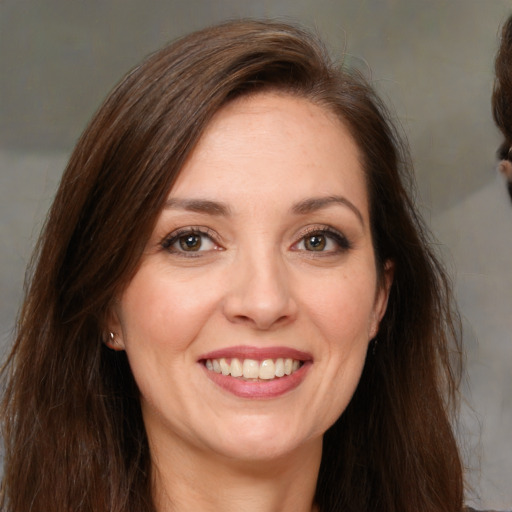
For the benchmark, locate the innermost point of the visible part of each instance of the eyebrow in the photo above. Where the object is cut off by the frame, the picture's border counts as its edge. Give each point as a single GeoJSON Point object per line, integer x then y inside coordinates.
{"type": "Point", "coordinates": [318, 203]}
{"type": "Point", "coordinates": [199, 205]}
{"type": "Point", "coordinates": [304, 207]}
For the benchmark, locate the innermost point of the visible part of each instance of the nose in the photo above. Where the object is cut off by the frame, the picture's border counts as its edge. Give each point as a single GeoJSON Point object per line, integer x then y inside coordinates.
{"type": "Point", "coordinates": [259, 293]}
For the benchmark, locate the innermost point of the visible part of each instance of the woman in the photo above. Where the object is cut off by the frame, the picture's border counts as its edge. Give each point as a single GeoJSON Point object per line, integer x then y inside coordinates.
{"type": "Point", "coordinates": [502, 101]}
{"type": "Point", "coordinates": [233, 304]}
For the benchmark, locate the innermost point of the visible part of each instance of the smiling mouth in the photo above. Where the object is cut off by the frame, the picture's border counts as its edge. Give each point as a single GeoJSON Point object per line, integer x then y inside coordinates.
{"type": "Point", "coordinates": [252, 369]}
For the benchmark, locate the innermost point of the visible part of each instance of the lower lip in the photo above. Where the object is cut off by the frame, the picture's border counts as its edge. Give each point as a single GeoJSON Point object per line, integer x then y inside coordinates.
{"type": "Point", "coordinates": [261, 389]}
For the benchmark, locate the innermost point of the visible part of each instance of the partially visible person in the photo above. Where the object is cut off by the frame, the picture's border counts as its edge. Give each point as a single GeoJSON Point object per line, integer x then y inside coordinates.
{"type": "Point", "coordinates": [502, 101]}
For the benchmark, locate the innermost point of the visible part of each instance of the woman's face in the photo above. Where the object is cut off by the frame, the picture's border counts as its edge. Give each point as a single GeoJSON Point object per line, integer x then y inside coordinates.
{"type": "Point", "coordinates": [248, 321]}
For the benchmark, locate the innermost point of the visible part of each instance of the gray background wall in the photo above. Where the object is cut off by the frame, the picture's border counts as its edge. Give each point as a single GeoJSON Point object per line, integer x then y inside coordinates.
{"type": "Point", "coordinates": [432, 60]}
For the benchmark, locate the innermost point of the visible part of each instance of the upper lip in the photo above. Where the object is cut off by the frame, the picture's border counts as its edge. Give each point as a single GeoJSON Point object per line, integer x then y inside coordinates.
{"type": "Point", "coordinates": [257, 353]}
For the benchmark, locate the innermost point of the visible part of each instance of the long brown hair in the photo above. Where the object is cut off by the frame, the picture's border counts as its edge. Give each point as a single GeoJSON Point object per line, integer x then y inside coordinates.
{"type": "Point", "coordinates": [73, 431]}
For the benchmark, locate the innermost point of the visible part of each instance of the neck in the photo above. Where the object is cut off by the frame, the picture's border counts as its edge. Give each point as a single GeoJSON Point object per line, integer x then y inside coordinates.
{"type": "Point", "coordinates": [187, 480]}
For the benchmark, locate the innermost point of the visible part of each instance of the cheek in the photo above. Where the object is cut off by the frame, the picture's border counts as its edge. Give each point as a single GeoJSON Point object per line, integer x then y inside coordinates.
{"type": "Point", "coordinates": [342, 313]}
{"type": "Point", "coordinates": [343, 306]}
{"type": "Point", "coordinates": [160, 311]}
{"type": "Point", "coordinates": [160, 317]}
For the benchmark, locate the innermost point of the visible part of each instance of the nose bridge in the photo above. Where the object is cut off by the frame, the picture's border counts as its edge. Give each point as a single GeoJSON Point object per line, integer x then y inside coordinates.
{"type": "Point", "coordinates": [260, 289]}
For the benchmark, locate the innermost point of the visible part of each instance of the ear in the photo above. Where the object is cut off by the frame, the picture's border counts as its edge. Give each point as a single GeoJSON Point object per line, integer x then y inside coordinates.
{"type": "Point", "coordinates": [381, 298]}
{"type": "Point", "coordinates": [505, 167]}
{"type": "Point", "coordinates": [113, 337]}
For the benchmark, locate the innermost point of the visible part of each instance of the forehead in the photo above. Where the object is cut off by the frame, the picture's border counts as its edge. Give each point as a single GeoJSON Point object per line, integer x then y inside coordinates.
{"type": "Point", "coordinates": [272, 143]}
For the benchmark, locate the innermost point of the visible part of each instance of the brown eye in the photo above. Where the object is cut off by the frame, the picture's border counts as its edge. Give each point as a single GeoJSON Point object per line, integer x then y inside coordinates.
{"type": "Point", "coordinates": [190, 242]}
{"type": "Point", "coordinates": [325, 241]}
{"type": "Point", "coordinates": [315, 243]}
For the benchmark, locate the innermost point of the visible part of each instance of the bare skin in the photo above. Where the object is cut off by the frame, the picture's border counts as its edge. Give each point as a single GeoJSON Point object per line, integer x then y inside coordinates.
{"type": "Point", "coordinates": [187, 483]}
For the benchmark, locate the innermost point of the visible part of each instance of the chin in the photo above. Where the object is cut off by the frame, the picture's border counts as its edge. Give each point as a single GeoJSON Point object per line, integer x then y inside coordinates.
{"type": "Point", "coordinates": [263, 441]}
{"type": "Point", "coordinates": [253, 451]}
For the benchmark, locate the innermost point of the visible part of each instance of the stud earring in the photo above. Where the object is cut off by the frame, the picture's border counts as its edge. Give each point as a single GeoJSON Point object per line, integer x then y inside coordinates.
{"type": "Point", "coordinates": [109, 338]}
{"type": "Point", "coordinates": [111, 342]}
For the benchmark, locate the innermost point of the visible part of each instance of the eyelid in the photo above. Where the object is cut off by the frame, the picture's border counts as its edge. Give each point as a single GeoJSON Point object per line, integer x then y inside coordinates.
{"type": "Point", "coordinates": [169, 240]}
{"type": "Point", "coordinates": [339, 238]}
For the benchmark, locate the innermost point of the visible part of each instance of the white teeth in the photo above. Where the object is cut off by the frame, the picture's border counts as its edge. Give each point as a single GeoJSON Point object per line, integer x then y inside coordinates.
{"type": "Point", "coordinates": [267, 369]}
{"type": "Point", "coordinates": [224, 367]}
{"type": "Point", "coordinates": [280, 367]}
{"type": "Point", "coordinates": [288, 366]}
{"type": "Point", "coordinates": [236, 368]}
{"type": "Point", "coordinates": [251, 369]}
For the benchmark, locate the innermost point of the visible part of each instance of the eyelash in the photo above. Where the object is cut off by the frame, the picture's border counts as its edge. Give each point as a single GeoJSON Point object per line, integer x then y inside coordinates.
{"type": "Point", "coordinates": [170, 240]}
{"type": "Point", "coordinates": [343, 244]}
